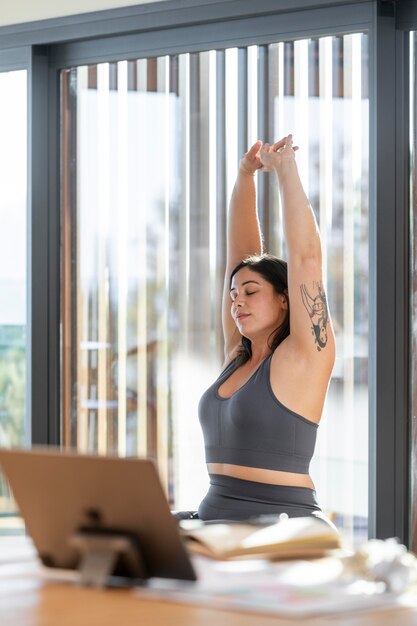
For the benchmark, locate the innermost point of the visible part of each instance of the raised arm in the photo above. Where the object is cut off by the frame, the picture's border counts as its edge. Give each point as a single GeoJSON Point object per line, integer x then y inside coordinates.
{"type": "Point", "coordinates": [243, 236]}
{"type": "Point", "coordinates": [311, 330]}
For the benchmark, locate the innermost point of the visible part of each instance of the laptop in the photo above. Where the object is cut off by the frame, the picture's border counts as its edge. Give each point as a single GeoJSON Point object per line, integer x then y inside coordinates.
{"type": "Point", "coordinates": [68, 500]}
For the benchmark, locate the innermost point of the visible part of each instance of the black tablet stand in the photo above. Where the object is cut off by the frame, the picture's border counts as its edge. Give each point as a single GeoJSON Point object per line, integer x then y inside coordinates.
{"type": "Point", "coordinates": [107, 552]}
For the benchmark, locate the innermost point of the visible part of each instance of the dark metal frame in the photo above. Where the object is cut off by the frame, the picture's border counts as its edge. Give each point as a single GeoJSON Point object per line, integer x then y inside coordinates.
{"type": "Point", "coordinates": [44, 238]}
{"type": "Point", "coordinates": [389, 258]}
{"type": "Point", "coordinates": [194, 25]}
{"type": "Point", "coordinates": [406, 22]}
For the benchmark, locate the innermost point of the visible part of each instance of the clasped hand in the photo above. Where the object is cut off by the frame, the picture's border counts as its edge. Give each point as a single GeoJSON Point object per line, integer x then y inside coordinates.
{"type": "Point", "coordinates": [265, 157]}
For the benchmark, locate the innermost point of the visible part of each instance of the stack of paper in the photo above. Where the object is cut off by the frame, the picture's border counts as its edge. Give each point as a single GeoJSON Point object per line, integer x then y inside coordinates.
{"type": "Point", "coordinates": [300, 537]}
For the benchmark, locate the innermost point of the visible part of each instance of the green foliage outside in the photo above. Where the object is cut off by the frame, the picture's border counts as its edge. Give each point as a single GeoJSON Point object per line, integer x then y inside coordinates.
{"type": "Point", "coordinates": [12, 384]}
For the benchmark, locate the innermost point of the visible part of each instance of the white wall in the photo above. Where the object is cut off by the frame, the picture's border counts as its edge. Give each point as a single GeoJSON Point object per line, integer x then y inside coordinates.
{"type": "Point", "coordinates": [20, 11]}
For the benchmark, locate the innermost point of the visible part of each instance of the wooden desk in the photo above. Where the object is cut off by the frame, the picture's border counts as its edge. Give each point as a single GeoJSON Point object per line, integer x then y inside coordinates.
{"type": "Point", "coordinates": [28, 599]}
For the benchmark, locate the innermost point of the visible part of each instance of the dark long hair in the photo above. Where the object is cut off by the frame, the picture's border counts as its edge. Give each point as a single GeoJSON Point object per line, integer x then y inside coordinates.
{"type": "Point", "coordinates": [275, 271]}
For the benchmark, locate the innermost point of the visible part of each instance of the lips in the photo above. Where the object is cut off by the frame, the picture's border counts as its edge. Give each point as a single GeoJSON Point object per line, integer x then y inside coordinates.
{"type": "Point", "coordinates": [242, 316]}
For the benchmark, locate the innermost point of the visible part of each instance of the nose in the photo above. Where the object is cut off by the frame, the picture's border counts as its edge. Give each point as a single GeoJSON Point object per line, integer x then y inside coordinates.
{"type": "Point", "coordinates": [238, 302]}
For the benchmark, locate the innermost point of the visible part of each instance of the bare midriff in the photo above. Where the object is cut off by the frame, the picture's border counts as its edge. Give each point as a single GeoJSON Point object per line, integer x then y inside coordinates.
{"type": "Point", "coordinates": [259, 475]}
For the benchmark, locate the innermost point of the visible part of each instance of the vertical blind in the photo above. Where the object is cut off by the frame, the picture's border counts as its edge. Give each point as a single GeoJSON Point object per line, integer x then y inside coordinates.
{"type": "Point", "coordinates": [150, 151]}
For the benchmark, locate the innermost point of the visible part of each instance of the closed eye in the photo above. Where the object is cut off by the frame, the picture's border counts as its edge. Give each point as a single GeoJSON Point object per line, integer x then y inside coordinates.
{"type": "Point", "coordinates": [247, 293]}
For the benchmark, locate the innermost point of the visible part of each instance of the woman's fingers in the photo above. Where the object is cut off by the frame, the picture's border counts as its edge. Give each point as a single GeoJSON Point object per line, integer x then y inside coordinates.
{"type": "Point", "coordinates": [250, 160]}
{"type": "Point", "coordinates": [279, 144]}
{"type": "Point", "coordinates": [263, 156]}
{"type": "Point", "coordinates": [253, 150]}
{"type": "Point", "coordinates": [266, 147]}
{"type": "Point", "coordinates": [262, 151]}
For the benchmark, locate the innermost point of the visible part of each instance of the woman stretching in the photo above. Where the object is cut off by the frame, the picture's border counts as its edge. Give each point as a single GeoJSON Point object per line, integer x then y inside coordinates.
{"type": "Point", "coordinates": [260, 417]}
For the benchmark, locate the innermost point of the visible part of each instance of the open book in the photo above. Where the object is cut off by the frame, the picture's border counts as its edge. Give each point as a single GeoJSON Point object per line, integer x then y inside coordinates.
{"type": "Point", "coordinates": [300, 537]}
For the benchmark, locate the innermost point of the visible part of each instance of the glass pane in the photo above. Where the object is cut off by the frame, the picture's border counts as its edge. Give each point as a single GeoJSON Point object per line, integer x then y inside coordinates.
{"type": "Point", "coordinates": [13, 169]}
{"type": "Point", "coordinates": [150, 154]}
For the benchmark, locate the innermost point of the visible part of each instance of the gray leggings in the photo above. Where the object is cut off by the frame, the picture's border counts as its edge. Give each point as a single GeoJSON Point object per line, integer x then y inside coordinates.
{"type": "Point", "coordinates": [235, 499]}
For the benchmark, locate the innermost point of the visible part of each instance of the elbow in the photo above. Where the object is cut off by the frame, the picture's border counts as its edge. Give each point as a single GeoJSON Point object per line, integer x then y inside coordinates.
{"type": "Point", "coordinates": [307, 246]}
{"type": "Point", "coordinates": [310, 256]}
{"type": "Point", "coordinates": [306, 249]}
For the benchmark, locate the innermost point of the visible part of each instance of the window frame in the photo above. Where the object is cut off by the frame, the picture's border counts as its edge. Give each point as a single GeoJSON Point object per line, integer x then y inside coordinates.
{"type": "Point", "coordinates": [185, 25]}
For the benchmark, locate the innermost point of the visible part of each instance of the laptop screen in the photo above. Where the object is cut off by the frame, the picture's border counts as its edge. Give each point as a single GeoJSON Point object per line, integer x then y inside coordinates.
{"type": "Point", "coordinates": [65, 498]}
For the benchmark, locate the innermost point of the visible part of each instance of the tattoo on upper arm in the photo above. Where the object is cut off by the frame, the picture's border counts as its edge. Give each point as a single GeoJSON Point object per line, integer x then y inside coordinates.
{"type": "Point", "coordinates": [316, 306]}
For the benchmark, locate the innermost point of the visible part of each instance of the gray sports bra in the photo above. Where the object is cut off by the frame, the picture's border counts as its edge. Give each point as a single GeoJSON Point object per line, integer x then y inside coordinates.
{"type": "Point", "coordinates": [252, 428]}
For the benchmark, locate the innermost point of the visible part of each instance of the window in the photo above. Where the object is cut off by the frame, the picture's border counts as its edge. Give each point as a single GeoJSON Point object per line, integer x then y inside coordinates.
{"type": "Point", "coordinates": [150, 150]}
{"type": "Point", "coordinates": [256, 83]}
{"type": "Point", "coordinates": [14, 429]}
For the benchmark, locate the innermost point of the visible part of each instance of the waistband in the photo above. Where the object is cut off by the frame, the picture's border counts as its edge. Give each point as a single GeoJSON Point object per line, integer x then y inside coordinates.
{"type": "Point", "coordinates": [264, 492]}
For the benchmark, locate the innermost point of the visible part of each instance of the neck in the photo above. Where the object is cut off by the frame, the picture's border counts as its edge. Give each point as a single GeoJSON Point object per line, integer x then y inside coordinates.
{"type": "Point", "coordinates": [259, 353]}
